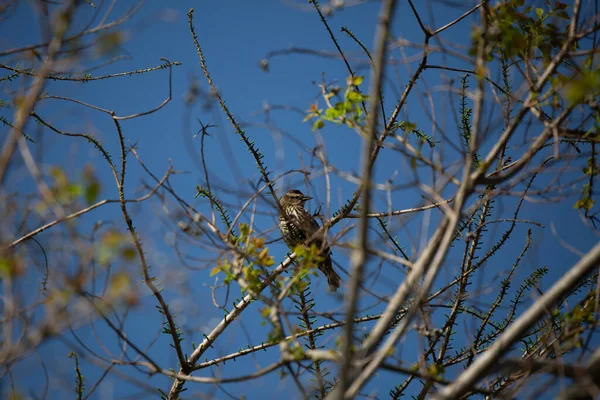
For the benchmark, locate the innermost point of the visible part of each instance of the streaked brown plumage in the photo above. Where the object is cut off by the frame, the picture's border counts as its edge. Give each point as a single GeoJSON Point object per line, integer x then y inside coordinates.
{"type": "Point", "coordinates": [296, 225]}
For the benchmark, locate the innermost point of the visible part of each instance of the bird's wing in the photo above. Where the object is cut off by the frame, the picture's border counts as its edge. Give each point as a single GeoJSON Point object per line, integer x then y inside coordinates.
{"type": "Point", "coordinates": [315, 225]}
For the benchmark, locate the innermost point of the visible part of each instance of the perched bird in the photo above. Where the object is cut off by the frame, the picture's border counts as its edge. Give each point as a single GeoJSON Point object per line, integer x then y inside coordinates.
{"type": "Point", "coordinates": [297, 225]}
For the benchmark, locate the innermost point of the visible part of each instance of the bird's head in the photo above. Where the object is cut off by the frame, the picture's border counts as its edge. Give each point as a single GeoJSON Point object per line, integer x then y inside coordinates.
{"type": "Point", "coordinates": [294, 198]}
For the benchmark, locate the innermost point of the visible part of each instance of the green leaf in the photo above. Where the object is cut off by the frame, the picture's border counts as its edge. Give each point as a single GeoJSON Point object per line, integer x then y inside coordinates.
{"type": "Point", "coordinates": [265, 312]}
{"type": "Point", "coordinates": [309, 116]}
{"type": "Point", "coordinates": [300, 251]}
{"type": "Point", "coordinates": [408, 126]}
{"type": "Point", "coordinates": [91, 192]}
{"type": "Point", "coordinates": [355, 97]}
{"type": "Point", "coordinates": [560, 6]}
{"type": "Point", "coordinates": [244, 230]}
{"type": "Point", "coordinates": [332, 114]}
{"type": "Point", "coordinates": [318, 125]}
{"type": "Point", "coordinates": [582, 85]}
{"type": "Point", "coordinates": [109, 43]}
{"type": "Point", "coordinates": [357, 80]}
{"type": "Point", "coordinates": [74, 190]}
{"type": "Point", "coordinates": [413, 163]}
{"type": "Point", "coordinates": [539, 12]}
{"type": "Point", "coordinates": [586, 204]}
{"type": "Point", "coordinates": [60, 179]}
{"type": "Point", "coordinates": [129, 253]}
{"type": "Point", "coordinates": [91, 188]}
{"type": "Point", "coordinates": [342, 106]}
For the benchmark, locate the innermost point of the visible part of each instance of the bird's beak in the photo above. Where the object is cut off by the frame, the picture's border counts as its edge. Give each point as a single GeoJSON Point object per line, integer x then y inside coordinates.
{"type": "Point", "coordinates": [306, 198]}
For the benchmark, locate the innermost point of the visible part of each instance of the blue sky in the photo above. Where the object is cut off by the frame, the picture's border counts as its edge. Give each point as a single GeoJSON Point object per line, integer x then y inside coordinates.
{"type": "Point", "coordinates": [235, 36]}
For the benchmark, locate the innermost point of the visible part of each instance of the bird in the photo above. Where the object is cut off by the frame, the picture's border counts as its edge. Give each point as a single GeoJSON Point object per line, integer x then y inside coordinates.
{"type": "Point", "coordinates": [297, 225]}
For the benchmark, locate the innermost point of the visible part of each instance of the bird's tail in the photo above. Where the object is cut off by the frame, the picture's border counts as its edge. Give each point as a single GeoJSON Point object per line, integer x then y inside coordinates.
{"type": "Point", "coordinates": [333, 279]}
